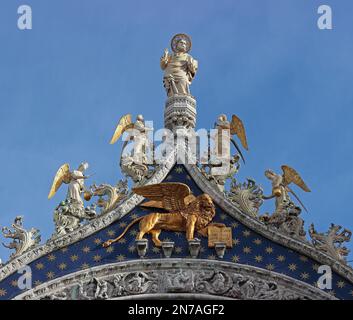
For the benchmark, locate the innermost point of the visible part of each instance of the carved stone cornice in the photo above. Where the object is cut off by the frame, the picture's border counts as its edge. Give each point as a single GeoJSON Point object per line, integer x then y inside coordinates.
{"type": "Point", "coordinates": [171, 277]}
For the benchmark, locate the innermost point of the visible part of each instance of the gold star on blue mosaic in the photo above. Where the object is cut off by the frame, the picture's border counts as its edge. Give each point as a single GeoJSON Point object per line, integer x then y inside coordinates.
{"type": "Point", "coordinates": [340, 284]}
{"type": "Point", "coordinates": [109, 249]}
{"type": "Point", "coordinates": [97, 241]}
{"type": "Point", "coordinates": [292, 267]}
{"type": "Point", "coordinates": [62, 266]}
{"type": "Point", "coordinates": [304, 275]}
{"type": "Point", "coordinates": [269, 250]}
{"type": "Point", "coordinates": [155, 250]}
{"type": "Point", "coordinates": [85, 266]}
{"type": "Point", "coordinates": [74, 257]}
{"type": "Point", "coordinates": [257, 241]}
{"type": "Point", "coordinates": [270, 267]}
{"type": "Point", "coordinates": [86, 249]}
{"type": "Point", "coordinates": [120, 258]}
{"type": "Point", "coordinates": [3, 292]}
{"type": "Point", "coordinates": [51, 257]}
{"type": "Point", "coordinates": [247, 250]}
{"type": "Point", "coordinates": [40, 266]}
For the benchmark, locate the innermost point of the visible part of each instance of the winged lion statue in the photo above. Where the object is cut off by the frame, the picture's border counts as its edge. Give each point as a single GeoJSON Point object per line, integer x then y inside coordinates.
{"type": "Point", "coordinates": [185, 212]}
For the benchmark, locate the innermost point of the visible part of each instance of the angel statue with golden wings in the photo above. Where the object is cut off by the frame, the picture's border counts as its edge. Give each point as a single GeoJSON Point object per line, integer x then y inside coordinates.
{"type": "Point", "coordinates": [222, 164]}
{"type": "Point", "coordinates": [69, 213]}
{"type": "Point", "coordinates": [280, 186]}
{"type": "Point", "coordinates": [286, 215]}
{"type": "Point", "coordinates": [226, 131]}
{"type": "Point", "coordinates": [133, 162]}
{"type": "Point", "coordinates": [75, 179]}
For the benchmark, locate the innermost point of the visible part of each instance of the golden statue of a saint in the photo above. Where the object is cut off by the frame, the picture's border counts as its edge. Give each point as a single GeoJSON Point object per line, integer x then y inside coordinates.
{"type": "Point", "coordinates": [180, 67]}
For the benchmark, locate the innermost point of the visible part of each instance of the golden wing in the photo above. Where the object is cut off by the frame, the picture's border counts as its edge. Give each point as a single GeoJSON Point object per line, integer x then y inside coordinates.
{"type": "Point", "coordinates": [290, 175]}
{"type": "Point", "coordinates": [62, 175]}
{"type": "Point", "coordinates": [124, 124]}
{"type": "Point", "coordinates": [237, 127]}
{"type": "Point", "coordinates": [169, 196]}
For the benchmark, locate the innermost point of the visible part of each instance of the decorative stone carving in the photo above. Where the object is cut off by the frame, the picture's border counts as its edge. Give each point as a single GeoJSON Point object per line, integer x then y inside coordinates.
{"type": "Point", "coordinates": [159, 278]}
{"type": "Point", "coordinates": [119, 285]}
{"type": "Point", "coordinates": [69, 214]}
{"type": "Point", "coordinates": [58, 296]}
{"type": "Point", "coordinates": [220, 179]}
{"type": "Point", "coordinates": [214, 282]}
{"type": "Point", "coordinates": [287, 221]}
{"type": "Point", "coordinates": [23, 240]}
{"type": "Point", "coordinates": [140, 282]}
{"type": "Point", "coordinates": [137, 171]}
{"type": "Point", "coordinates": [110, 196]}
{"type": "Point", "coordinates": [250, 288]}
{"type": "Point", "coordinates": [180, 112]}
{"type": "Point", "coordinates": [331, 241]}
{"type": "Point", "coordinates": [179, 281]}
{"type": "Point", "coordinates": [246, 196]}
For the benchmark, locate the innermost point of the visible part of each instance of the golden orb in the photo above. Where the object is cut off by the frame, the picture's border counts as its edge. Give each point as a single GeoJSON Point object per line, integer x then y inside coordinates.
{"type": "Point", "coordinates": [87, 195]}
{"type": "Point", "coordinates": [277, 192]}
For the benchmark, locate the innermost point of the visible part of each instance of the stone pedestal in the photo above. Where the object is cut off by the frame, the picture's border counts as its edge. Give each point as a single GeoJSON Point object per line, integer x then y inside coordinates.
{"type": "Point", "coordinates": [141, 246]}
{"type": "Point", "coordinates": [180, 112]}
{"type": "Point", "coordinates": [220, 248]}
{"type": "Point", "coordinates": [194, 247]}
{"type": "Point", "coordinates": [167, 247]}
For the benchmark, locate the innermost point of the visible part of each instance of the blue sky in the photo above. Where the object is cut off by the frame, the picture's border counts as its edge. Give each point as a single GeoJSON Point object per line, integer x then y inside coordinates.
{"type": "Point", "coordinates": [65, 83]}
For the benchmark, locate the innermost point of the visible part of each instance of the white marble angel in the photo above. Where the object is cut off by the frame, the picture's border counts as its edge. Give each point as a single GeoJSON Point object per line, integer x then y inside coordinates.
{"type": "Point", "coordinates": [138, 155]}
{"type": "Point", "coordinates": [75, 179]}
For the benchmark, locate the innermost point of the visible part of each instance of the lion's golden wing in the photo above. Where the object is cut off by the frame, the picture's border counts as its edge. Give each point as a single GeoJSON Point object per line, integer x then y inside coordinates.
{"type": "Point", "coordinates": [170, 195]}
{"type": "Point", "coordinates": [290, 175]}
{"type": "Point", "coordinates": [237, 127]}
{"type": "Point", "coordinates": [124, 124]}
{"type": "Point", "coordinates": [62, 175]}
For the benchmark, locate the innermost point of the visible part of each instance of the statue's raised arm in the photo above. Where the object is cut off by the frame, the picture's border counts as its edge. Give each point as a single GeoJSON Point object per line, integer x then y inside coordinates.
{"type": "Point", "coordinates": [179, 68]}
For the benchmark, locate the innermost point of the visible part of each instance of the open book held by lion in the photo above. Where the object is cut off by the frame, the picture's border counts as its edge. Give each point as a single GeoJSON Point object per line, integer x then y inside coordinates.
{"type": "Point", "coordinates": [185, 212]}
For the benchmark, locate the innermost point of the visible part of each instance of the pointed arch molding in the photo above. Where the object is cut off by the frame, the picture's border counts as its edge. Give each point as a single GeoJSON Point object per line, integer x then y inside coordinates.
{"type": "Point", "coordinates": [304, 248]}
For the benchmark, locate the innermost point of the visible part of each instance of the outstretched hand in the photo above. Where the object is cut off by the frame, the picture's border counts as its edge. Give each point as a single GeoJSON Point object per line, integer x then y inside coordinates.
{"type": "Point", "coordinates": [166, 53]}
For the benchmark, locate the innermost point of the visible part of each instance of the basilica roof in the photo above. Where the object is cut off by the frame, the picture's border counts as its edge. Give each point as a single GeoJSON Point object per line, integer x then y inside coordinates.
{"type": "Point", "coordinates": [250, 247]}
